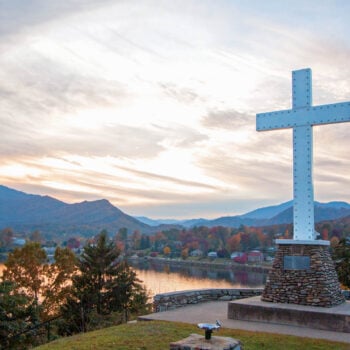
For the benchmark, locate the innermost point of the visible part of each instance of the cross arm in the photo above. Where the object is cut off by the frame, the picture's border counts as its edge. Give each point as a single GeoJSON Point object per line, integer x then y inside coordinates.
{"type": "Point", "coordinates": [318, 115]}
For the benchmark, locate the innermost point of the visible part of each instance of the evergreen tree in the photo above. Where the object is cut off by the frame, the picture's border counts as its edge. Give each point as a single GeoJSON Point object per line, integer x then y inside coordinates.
{"type": "Point", "coordinates": [341, 257]}
{"type": "Point", "coordinates": [17, 314]}
{"type": "Point", "coordinates": [98, 266]}
{"type": "Point", "coordinates": [126, 293]}
{"type": "Point", "coordinates": [103, 284]}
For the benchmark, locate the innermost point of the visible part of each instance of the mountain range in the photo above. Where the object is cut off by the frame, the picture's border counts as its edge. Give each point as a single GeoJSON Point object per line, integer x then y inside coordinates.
{"type": "Point", "coordinates": [28, 212]}
{"type": "Point", "coordinates": [266, 216]}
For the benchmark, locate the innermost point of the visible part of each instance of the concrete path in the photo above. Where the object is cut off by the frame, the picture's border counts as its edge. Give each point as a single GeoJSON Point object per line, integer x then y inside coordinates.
{"type": "Point", "coordinates": [217, 310]}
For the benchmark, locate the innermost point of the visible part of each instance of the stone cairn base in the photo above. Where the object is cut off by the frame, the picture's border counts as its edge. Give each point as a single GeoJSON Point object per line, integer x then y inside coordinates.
{"type": "Point", "coordinates": [305, 275]}
{"type": "Point", "coordinates": [198, 342]}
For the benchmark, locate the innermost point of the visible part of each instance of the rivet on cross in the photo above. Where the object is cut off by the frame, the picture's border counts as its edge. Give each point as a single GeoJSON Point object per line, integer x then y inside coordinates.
{"type": "Point", "coordinates": [301, 118]}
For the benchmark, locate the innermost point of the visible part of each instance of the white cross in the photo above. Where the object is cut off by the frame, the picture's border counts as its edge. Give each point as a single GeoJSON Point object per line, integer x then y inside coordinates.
{"type": "Point", "coordinates": [301, 118]}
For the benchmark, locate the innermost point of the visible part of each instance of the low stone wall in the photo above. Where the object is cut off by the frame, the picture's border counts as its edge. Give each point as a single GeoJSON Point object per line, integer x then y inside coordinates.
{"type": "Point", "coordinates": [174, 300]}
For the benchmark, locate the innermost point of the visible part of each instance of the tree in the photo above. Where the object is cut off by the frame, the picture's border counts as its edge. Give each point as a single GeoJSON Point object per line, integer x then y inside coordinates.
{"type": "Point", "coordinates": [36, 236]}
{"type": "Point", "coordinates": [58, 277]}
{"type": "Point", "coordinates": [29, 272]}
{"type": "Point", "coordinates": [145, 242]}
{"type": "Point", "coordinates": [98, 264]}
{"type": "Point", "coordinates": [334, 242]}
{"type": "Point", "coordinates": [249, 241]}
{"type": "Point", "coordinates": [17, 314]}
{"type": "Point", "coordinates": [103, 284]}
{"type": "Point", "coordinates": [126, 292]}
{"type": "Point", "coordinates": [26, 268]}
{"type": "Point", "coordinates": [136, 239]}
{"type": "Point", "coordinates": [234, 242]}
{"type": "Point", "coordinates": [6, 237]}
{"type": "Point", "coordinates": [73, 243]}
{"type": "Point", "coordinates": [341, 257]}
{"type": "Point", "coordinates": [184, 253]}
{"type": "Point", "coordinates": [122, 234]}
{"type": "Point", "coordinates": [166, 251]}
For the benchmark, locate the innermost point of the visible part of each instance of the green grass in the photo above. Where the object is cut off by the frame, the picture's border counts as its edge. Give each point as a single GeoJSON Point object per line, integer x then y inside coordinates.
{"type": "Point", "coordinates": [156, 335]}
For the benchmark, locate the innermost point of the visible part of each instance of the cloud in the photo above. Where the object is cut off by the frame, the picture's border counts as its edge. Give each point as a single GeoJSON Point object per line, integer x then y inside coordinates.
{"type": "Point", "coordinates": [180, 136]}
{"type": "Point", "coordinates": [19, 17]}
{"type": "Point", "coordinates": [163, 178]}
{"type": "Point", "coordinates": [180, 94]}
{"type": "Point", "coordinates": [227, 119]}
{"type": "Point", "coordinates": [57, 89]}
{"type": "Point", "coordinates": [253, 177]}
{"type": "Point", "coordinates": [118, 141]}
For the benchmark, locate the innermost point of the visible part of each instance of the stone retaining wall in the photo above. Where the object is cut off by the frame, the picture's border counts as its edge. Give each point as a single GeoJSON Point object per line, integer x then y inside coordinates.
{"type": "Point", "coordinates": [174, 300]}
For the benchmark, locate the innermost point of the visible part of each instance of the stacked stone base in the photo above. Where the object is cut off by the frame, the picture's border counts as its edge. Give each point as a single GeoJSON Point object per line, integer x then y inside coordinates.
{"type": "Point", "coordinates": [315, 285]}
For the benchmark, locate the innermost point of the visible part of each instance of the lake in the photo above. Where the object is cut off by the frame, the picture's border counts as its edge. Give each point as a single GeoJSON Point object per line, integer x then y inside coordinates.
{"type": "Point", "coordinates": [164, 278]}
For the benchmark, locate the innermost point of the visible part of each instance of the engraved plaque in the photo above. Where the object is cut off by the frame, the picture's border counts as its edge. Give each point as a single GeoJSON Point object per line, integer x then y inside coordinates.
{"type": "Point", "coordinates": [296, 262]}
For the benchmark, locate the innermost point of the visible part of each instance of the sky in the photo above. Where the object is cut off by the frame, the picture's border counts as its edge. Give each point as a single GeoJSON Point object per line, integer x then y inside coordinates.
{"type": "Point", "coordinates": [152, 104]}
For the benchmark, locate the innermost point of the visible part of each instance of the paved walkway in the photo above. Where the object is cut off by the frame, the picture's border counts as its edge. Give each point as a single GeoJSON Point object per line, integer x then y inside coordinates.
{"type": "Point", "coordinates": [217, 310]}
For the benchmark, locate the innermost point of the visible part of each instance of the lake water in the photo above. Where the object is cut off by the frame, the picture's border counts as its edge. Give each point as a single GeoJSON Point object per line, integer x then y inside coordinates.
{"type": "Point", "coordinates": [163, 278]}
{"type": "Point", "coordinates": [160, 278]}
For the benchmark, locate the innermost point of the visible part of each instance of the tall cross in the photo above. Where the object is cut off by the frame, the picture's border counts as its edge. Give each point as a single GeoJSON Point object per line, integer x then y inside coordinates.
{"type": "Point", "coordinates": [302, 117]}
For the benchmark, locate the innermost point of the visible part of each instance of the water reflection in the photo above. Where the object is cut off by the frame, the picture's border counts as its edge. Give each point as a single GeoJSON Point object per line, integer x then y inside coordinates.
{"type": "Point", "coordinates": [160, 278]}
{"type": "Point", "coordinates": [163, 278]}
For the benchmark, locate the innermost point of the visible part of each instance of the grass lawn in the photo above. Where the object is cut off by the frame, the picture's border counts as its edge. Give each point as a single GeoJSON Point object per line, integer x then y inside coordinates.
{"type": "Point", "coordinates": [156, 335]}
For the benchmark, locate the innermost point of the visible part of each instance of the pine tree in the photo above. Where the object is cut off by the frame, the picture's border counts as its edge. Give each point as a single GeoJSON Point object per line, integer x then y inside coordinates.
{"type": "Point", "coordinates": [341, 257]}
{"type": "Point", "coordinates": [17, 314]}
{"type": "Point", "coordinates": [104, 284]}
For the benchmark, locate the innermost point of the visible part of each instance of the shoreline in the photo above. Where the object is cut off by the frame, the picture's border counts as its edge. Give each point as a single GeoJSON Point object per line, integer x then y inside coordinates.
{"type": "Point", "coordinates": [227, 265]}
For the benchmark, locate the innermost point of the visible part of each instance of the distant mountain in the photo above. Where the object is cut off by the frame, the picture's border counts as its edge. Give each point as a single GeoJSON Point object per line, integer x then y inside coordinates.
{"type": "Point", "coordinates": [23, 211]}
{"type": "Point", "coordinates": [157, 222]}
{"type": "Point", "coordinates": [323, 211]}
{"type": "Point", "coordinates": [272, 215]}
{"type": "Point", "coordinates": [267, 212]}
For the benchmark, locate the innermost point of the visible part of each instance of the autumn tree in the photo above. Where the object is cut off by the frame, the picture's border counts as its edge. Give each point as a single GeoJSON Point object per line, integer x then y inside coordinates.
{"type": "Point", "coordinates": [334, 242]}
{"type": "Point", "coordinates": [73, 243]}
{"type": "Point", "coordinates": [136, 239]}
{"type": "Point", "coordinates": [26, 268]}
{"type": "Point", "coordinates": [234, 242]}
{"type": "Point", "coordinates": [29, 272]}
{"type": "Point", "coordinates": [166, 251]}
{"type": "Point", "coordinates": [184, 253]}
{"type": "Point", "coordinates": [58, 277]}
{"type": "Point", "coordinates": [249, 241]}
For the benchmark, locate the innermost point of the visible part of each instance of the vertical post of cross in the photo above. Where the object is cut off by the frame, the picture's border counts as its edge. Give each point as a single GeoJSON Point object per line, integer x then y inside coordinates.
{"type": "Point", "coordinates": [303, 208]}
